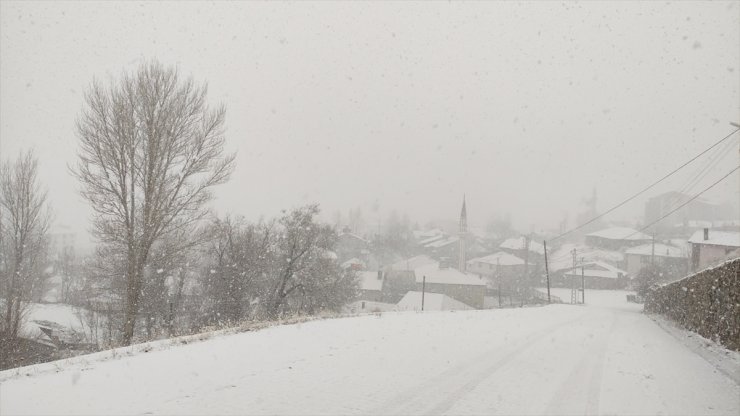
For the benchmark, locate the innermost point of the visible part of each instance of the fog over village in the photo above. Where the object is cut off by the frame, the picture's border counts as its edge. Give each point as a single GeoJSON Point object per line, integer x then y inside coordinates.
{"type": "Point", "coordinates": [379, 207]}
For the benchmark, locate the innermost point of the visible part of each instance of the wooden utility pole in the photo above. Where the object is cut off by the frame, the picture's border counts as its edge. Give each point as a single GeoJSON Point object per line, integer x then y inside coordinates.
{"type": "Point", "coordinates": [525, 281]}
{"type": "Point", "coordinates": [547, 272]}
{"type": "Point", "coordinates": [737, 126]}
{"type": "Point", "coordinates": [583, 282]}
{"type": "Point", "coordinates": [423, 289]}
{"type": "Point", "coordinates": [652, 254]}
{"type": "Point", "coordinates": [498, 277]}
{"type": "Point", "coordinates": [573, 290]}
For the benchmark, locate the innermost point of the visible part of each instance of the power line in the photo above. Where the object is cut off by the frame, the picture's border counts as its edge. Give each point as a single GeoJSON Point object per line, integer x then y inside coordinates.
{"type": "Point", "coordinates": [562, 256]}
{"type": "Point", "coordinates": [646, 188]}
{"type": "Point", "coordinates": [685, 203]}
{"type": "Point", "coordinates": [719, 154]}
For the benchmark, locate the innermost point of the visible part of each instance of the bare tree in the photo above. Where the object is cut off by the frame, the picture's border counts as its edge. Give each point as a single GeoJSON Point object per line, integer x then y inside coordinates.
{"type": "Point", "coordinates": [304, 267]}
{"type": "Point", "coordinates": [24, 223]}
{"type": "Point", "coordinates": [237, 261]}
{"type": "Point", "coordinates": [150, 151]}
{"type": "Point", "coordinates": [67, 268]}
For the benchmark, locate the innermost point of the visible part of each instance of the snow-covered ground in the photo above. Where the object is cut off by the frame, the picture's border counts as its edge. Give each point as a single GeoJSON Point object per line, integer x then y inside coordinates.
{"type": "Point", "coordinates": [603, 358]}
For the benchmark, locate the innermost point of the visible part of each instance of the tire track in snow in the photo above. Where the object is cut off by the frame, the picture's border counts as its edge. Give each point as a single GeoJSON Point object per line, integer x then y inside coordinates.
{"type": "Point", "coordinates": [440, 393]}
{"type": "Point", "coordinates": [572, 392]}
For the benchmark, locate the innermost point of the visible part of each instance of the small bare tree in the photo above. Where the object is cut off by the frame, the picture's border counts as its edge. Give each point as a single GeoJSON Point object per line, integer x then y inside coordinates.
{"type": "Point", "coordinates": [303, 266]}
{"type": "Point", "coordinates": [150, 151]}
{"type": "Point", "coordinates": [67, 268]}
{"type": "Point", "coordinates": [24, 223]}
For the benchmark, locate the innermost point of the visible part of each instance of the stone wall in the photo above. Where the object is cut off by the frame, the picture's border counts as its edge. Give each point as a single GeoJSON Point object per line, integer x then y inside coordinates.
{"type": "Point", "coordinates": [707, 302]}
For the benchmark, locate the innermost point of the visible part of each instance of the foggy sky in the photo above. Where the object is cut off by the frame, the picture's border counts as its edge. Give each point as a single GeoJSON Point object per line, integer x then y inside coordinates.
{"type": "Point", "coordinates": [523, 107]}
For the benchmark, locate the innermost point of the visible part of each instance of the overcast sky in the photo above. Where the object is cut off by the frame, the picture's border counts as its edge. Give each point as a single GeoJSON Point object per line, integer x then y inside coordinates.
{"type": "Point", "coordinates": [524, 107]}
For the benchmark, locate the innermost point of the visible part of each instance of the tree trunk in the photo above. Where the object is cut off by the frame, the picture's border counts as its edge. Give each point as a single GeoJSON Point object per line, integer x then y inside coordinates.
{"type": "Point", "coordinates": [133, 294]}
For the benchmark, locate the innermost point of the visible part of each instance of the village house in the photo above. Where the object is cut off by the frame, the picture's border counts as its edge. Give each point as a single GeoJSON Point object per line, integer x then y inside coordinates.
{"type": "Point", "coordinates": [671, 259]}
{"type": "Point", "coordinates": [615, 238]}
{"type": "Point", "coordinates": [692, 210]}
{"type": "Point", "coordinates": [497, 264]}
{"type": "Point", "coordinates": [562, 258]}
{"type": "Point", "coordinates": [709, 247]}
{"type": "Point", "coordinates": [437, 278]}
{"type": "Point", "coordinates": [425, 238]}
{"type": "Point", "coordinates": [503, 272]}
{"type": "Point", "coordinates": [516, 246]}
{"type": "Point", "coordinates": [595, 275]}
{"type": "Point", "coordinates": [371, 285]}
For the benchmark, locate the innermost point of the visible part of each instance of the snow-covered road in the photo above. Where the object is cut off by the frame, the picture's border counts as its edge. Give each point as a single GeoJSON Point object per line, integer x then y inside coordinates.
{"type": "Point", "coordinates": [605, 358]}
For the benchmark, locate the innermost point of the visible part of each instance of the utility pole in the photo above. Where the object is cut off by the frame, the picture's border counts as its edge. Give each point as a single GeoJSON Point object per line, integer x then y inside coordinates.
{"type": "Point", "coordinates": [525, 281]}
{"type": "Point", "coordinates": [652, 253]}
{"type": "Point", "coordinates": [737, 126]}
{"type": "Point", "coordinates": [423, 290]}
{"type": "Point", "coordinates": [498, 277]}
{"type": "Point", "coordinates": [583, 281]}
{"type": "Point", "coordinates": [573, 290]}
{"type": "Point", "coordinates": [547, 272]}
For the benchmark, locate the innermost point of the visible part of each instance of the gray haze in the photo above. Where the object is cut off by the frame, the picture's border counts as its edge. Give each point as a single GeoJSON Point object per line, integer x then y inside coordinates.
{"type": "Point", "coordinates": [524, 107]}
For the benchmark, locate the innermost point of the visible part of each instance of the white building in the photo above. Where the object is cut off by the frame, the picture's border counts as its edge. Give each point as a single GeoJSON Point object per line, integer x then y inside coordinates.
{"type": "Point", "coordinates": [709, 247]}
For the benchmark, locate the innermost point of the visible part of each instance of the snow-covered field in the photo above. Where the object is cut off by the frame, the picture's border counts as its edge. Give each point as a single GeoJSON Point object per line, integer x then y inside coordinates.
{"type": "Point", "coordinates": [603, 358]}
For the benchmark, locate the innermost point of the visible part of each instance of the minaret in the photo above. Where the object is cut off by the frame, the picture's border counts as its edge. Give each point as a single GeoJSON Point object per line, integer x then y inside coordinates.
{"type": "Point", "coordinates": [462, 234]}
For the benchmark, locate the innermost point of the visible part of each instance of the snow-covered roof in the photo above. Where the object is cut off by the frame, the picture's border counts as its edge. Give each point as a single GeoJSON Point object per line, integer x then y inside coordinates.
{"type": "Point", "coordinates": [661, 250]}
{"type": "Point", "coordinates": [501, 257]}
{"type": "Point", "coordinates": [597, 269]}
{"type": "Point", "coordinates": [413, 263]}
{"type": "Point", "coordinates": [620, 233]}
{"type": "Point", "coordinates": [422, 234]}
{"type": "Point", "coordinates": [369, 281]}
{"type": "Point", "coordinates": [717, 238]}
{"type": "Point", "coordinates": [518, 244]}
{"type": "Point", "coordinates": [429, 240]}
{"type": "Point", "coordinates": [432, 302]}
{"type": "Point", "coordinates": [562, 258]}
{"type": "Point", "coordinates": [446, 276]}
{"type": "Point", "coordinates": [442, 243]}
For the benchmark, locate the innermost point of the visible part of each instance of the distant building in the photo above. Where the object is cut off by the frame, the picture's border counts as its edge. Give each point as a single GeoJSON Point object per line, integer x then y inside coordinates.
{"type": "Point", "coordinates": [422, 235]}
{"type": "Point", "coordinates": [466, 288]}
{"type": "Point", "coordinates": [516, 246]}
{"type": "Point", "coordinates": [447, 247]}
{"type": "Point", "coordinates": [562, 258]}
{"type": "Point", "coordinates": [371, 285]}
{"type": "Point", "coordinates": [694, 210]}
{"type": "Point", "coordinates": [503, 272]}
{"type": "Point", "coordinates": [709, 247]}
{"type": "Point", "coordinates": [500, 263]}
{"type": "Point", "coordinates": [596, 275]}
{"type": "Point", "coordinates": [671, 259]}
{"type": "Point", "coordinates": [615, 238]}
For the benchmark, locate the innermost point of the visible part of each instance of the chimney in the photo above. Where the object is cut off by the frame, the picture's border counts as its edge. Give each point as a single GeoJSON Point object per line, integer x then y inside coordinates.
{"type": "Point", "coordinates": [380, 275]}
{"type": "Point", "coordinates": [706, 234]}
